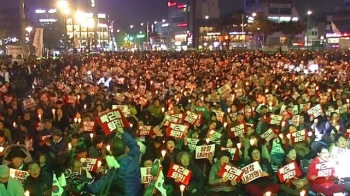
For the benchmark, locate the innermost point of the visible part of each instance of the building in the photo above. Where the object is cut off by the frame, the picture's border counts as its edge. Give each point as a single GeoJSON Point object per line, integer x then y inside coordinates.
{"type": "Point", "coordinates": [277, 11]}
{"type": "Point", "coordinates": [185, 20]}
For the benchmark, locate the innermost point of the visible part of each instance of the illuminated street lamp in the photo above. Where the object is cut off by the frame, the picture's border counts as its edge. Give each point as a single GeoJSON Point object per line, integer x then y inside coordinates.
{"type": "Point", "coordinates": [163, 20]}
{"type": "Point", "coordinates": [253, 14]}
{"type": "Point", "coordinates": [155, 22]}
{"type": "Point", "coordinates": [118, 30]}
{"type": "Point", "coordinates": [131, 26]}
{"type": "Point", "coordinates": [309, 12]}
{"type": "Point", "coordinates": [141, 24]}
{"type": "Point", "coordinates": [29, 29]}
{"type": "Point", "coordinates": [206, 17]}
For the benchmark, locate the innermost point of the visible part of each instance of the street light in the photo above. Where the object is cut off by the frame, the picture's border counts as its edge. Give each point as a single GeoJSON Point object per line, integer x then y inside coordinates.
{"type": "Point", "coordinates": [155, 22]}
{"type": "Point", "coordinates": [64, 7]}
{"type": "Point", "coordinates": [118, 30]}
{"type": "Point", "coordinates": [253, 14]}
{"type": "Point", "coordinates": [131, 26]}
{"type": "Point", "coordinates": [163, 20]}
{"type": "Point", "coordinates": [206, 17]}
{"type": "Point", "coordinates": [29, 29]}
{"type": "Point", "coordinates": [142, 24]}
{"type": "Point", "coordinates": [309, 12]}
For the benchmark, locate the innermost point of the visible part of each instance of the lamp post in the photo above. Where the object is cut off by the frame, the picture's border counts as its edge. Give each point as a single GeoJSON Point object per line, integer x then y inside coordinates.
{"type": "Point", "coordinates": [307, 27]}
{"type": "Point", "coordinates": [63, 6]}
{"type": "Point", "coordinates": [29, 29]}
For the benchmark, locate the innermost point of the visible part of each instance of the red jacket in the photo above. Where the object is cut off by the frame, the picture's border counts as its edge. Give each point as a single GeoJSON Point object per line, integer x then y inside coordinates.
{"type": "Point", "coordinates": [315, 170]}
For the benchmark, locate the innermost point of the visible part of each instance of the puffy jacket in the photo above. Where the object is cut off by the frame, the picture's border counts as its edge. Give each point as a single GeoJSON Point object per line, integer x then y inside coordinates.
{"type": "Point", "coordinates": [126, 180]}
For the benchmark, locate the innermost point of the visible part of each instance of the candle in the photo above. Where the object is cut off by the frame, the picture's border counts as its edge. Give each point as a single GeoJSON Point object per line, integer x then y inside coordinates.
{"type": "Point", "coordinates": [91, 135]}
{"type": "Point", "coordinates": [329, 90]}
{"type": "Point", "coordinates": [69, 146]}
{"type": "Point", "coordinates": [225, 124]}
{"type": "Point", "coordinates": [39, 115]}
{"type": "Point", "coordinates": [2, 149]}
{"type": "Point", "coordinates": [14, 124]}
{"type": "Point", "coordinates": [252, 142]}
{"type": "Point", "coordinates": [157, 92]}
{"type": "Point", "coordinates": [26, 193]}
{"type": "Point", "coordinates": [79, 120]}
{"type": "Point", "coordinates": [163, 153]}
{"type": "Point", "coordinates": [99, 163]}
{"type": "Point", "coordinates": [182, 188]}
{"type": "Point", "coordinates": [310, 133]}
{"type": "Point", "coordinates": [108, 147]}
{"type": "Point", "coordinates": [228, 110]}
{"type": "Point", "coordinates": [202, 98]}
{"type": "Point", "coordinates": [347, 100]}
{"type": "Point", "coordinates": [266, 90]}
{"type": "Point", "coordinates": [85, 106]}
{"type": "Point", "coordinates": [281, 135]}
{"type": "Point", "coordinates": [163, 110]}
{"type": "Point", "coordinates": [316, 121]}
{"type": "Point", "coordinates": [239, 145]}
{"type": "Point", "coordinates": [268, 193]}
{"type": "Point", "coordinates": [337, 127]}
{"type": "Point", "coordinates": [302, 193]}
{"type": "Point", "coordinates": [75, 120]}
{"type": "Point", "coordinates": [169, 108]}
{"type": "Point", "coordinates": [53, 112]}
{"type": "Point", "coordinates": [283, 123]}
{"type": "Point", "coordinates": [207, 140]}
{"type": "Point", "coordinates": [131, 125]}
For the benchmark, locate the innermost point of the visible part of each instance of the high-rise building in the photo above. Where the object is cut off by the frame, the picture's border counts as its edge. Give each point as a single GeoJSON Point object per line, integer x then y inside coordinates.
{"type": "Point", "coordinates": [184, 19]}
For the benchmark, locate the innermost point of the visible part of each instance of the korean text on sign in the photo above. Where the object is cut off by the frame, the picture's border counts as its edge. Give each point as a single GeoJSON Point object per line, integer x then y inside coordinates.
{"type": "Point", "coordinates": [177, 130]}
{"type": "Point", "coordinates": [251, 172]}
{"type": "Point", "coordinates": [288, 172]}
{"type": "Point", "coordinates": [180, 173]}
{"type": "Point", "coordinates": [231, 172]}
{"type": "Point", "coordinates": [144, 130]}
{"type": "Point", "coordinates": [238, 130]}
{"type": "Point", "coordinates": [190, 117]}
{"type": "Point", "coordinates": [18, 175]}
{"type": "Point", "coordinates": [205, 151]}
{"type": "Point", "coordinates": [324, 169]}
{"type": "Point", "coordinates": [90, 164]}
{"type": "Point", "coordinates": [268, 135]}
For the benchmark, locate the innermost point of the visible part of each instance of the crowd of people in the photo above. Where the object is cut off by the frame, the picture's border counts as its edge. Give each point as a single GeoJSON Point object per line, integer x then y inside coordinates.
{"type": "Point", "coordinates": [176, 123]}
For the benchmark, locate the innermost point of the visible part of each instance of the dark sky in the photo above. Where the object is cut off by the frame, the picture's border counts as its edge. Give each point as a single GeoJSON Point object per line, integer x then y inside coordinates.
{"type": "Point", "coordinates": [126, 12]}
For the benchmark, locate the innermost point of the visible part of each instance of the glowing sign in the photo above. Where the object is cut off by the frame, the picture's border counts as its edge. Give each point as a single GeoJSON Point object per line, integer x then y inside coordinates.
{"type": "Point", "coordinates": [171, 4]}
{"type": "Point", "coordinates": [182, 25]}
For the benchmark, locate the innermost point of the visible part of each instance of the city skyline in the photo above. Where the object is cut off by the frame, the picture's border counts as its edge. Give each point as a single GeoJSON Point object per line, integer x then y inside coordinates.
{"type": "Point", "coordinates": [129, 12]}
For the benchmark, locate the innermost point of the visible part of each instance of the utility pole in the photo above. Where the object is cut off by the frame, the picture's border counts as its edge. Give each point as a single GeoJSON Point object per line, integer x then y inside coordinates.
{"type": "Point", "coordinates": [23, 27]}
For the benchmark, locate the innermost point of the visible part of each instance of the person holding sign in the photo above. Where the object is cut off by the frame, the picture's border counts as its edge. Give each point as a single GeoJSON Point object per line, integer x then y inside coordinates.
{"type": "Point", "coordinates": [321, 174]}
{"type": "Point", "coordinates": [222, 186]}
{"type": "Point", "coordinates": [8, 185]}
{"type": "Point", "coordinates": [257, 182]}
{"type": "Point", "coordinates": [289, 173]}
{"type": "Point", "coordinates": [196, 183]}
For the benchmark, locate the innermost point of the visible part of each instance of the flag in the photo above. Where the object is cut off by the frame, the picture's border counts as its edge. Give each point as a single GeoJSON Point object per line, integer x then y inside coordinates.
{"type": "Point", "coordinates": [57, 190]}
{"type": "Point", "coordinates": [335, 29]}
{"type": "Point", "coordinates": [160, 184]}
{"type": "Point", "coordinates": [38, 42]}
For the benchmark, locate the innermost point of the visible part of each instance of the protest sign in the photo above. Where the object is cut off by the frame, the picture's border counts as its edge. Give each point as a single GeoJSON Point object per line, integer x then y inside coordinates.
{"type": "Point", "coordinates": [174, 118]}
{"type": "Point", "coordinates": [251, 172]}
{"type": "Point", "coordinates": [192, 143]}
{"type": "Point", "coordinates": [288, 172]}
{"type": "Point", "coordinates": [224, 90]}
{"type": "Point", "coordinates": [231, 172]}
{"type": "Point", "coordinates": [177, 130]}
{"type": "Point", "coordinates": [89, 164]}
{"type": "Point", "coordinates": [298, 136]}
{"type": "Point", "coordinates": [89, 126]}
{"type": "Point", "coordinates": [179, 172]}
{"type": "Point", "coordinates": [219, 115]}
{"type": "Point", "coordinates": [123, 108]}
{"type": "Point", "coordinates": [144, 130]}
{"type": "Point", "coordinates": [238, 130]}
{"type": "Point", "coordinates": [324, 169]}
{"type": "Point", "coordinates": [146, 176]}
{"type": "Point", "coordinates": [275, 119]}
{"type": "Point", "coordinates": [28, 103]}
{"type": "Point", "coordinates": [295, 120]}
{"type": "Point", "coordinates": [269, 134]}
{"type": "Point", "coordinates": [111, 120]}
{"type": "Point", "coordinates": [18, 175]}
{"type": "Point", "coordinates": [43, 138]}
{"type": "Point", "coordinates": [190, 117]}
{"type": "Point", "coordinates": [315, 111]}
{"type": "Point", "coordinates": [205, 151]}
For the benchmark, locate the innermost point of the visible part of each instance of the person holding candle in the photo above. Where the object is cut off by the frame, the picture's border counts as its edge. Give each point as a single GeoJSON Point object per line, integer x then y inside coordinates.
{"type": "Point", "coordinates": [61, 121]}
{"type": "Point", "coordinates": [57, 145]}
{"type": "Point", "coordinates": [8, 185]}
{"type": "Point", "coordinates": [39, 182]}
{"type": "Point", "coordinates": [96, 150]}
{"type": "Point", "coordinates": [4, 142]}
{"type": "Point", "coordinates": [196, 182]}
{"type": "Point", "coordinates": [18, 157]}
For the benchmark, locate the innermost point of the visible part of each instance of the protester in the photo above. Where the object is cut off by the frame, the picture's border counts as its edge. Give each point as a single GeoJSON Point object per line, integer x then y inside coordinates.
{"type": "Point", "coordinates": [198, 111]}
{"type": "Point", "coordinates": [8, 185]}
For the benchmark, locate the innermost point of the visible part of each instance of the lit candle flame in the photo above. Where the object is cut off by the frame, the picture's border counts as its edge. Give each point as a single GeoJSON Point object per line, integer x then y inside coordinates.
{"type": "Point", "coordinates": [163, 153]}
{"type": "Point", "coordinates": [239, 145]}
{"type": "Point", "coordinates": [91, 135]}
{"type": "Point", "coordinates": [108, 147]}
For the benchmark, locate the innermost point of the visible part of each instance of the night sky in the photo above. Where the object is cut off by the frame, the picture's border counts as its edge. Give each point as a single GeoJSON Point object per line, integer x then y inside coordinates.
{"type": "Point", "coordinates": [126, 12]}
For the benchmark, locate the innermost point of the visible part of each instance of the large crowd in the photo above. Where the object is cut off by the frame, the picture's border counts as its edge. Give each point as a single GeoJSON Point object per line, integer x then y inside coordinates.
{"type": "Point", "coordinates": [176, 123]}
